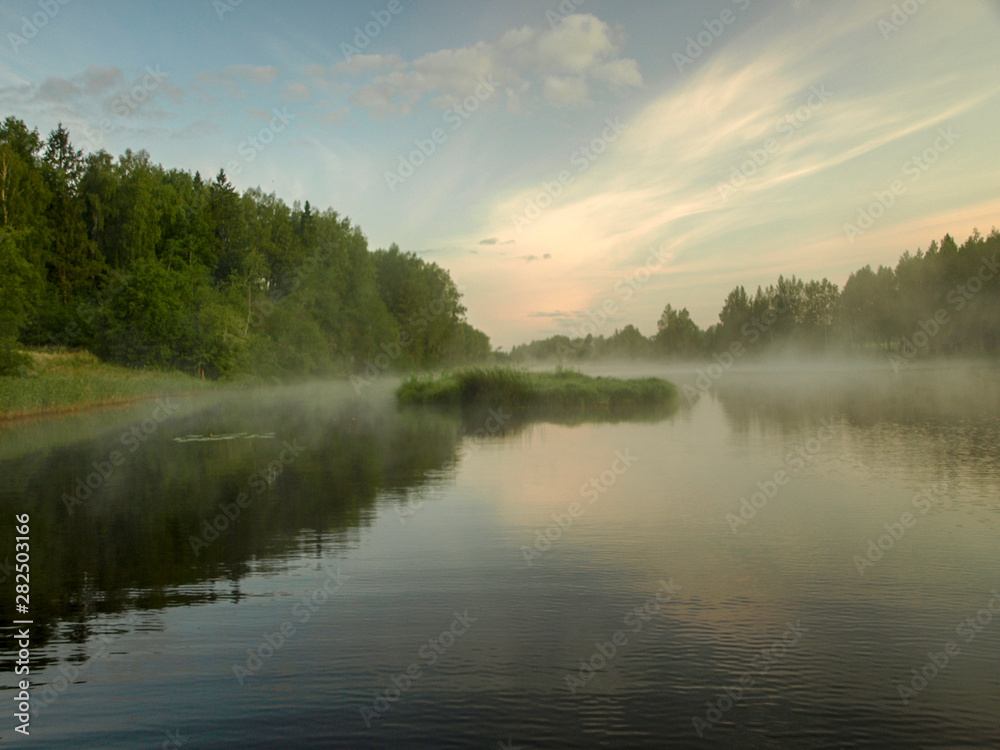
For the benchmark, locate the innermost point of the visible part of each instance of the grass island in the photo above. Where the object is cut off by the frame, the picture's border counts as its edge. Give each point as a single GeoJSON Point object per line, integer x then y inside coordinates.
{"type": "Point", "coordinates": [559, 392]}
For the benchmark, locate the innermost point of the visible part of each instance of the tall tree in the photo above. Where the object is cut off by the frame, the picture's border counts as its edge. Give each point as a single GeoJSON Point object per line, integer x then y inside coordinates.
{"type": "Point", "coordinates": [677, 334]}
{"type": "Point", "coordinates": [73, 261]}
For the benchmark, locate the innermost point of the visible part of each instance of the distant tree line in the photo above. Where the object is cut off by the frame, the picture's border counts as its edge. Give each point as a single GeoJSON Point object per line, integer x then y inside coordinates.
{"type": "Point", "coordinates": [150, 267]}
{"type": "Point", "coordinates": [942, 301]}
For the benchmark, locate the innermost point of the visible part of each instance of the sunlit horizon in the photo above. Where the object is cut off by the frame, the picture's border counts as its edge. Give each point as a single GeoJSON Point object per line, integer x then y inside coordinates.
{"type": "Point", "coordinates": [540, 155]}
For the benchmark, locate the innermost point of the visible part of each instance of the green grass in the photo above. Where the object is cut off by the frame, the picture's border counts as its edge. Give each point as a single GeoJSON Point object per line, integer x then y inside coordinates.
{"type": "Point", "coordinates": [74, 380]}
{"type": "Point", "coordinates": [563, 392]}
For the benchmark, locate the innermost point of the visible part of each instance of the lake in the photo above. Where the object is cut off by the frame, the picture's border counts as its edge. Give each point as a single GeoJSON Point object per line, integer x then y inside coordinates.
{"type": "Point", "coordinates": [794, 558]}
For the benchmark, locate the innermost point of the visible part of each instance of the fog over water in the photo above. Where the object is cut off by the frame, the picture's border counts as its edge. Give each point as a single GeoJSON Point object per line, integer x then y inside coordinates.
{"type": "Point", "coordinates": [765, 567]}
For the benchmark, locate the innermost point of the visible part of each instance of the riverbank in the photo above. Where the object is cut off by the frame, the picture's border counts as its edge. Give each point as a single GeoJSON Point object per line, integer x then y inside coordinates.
{"type": "Point", "coordinates": [70, 381]}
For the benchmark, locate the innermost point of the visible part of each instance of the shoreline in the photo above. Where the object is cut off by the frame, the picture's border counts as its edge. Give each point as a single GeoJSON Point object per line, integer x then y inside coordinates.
{"type": "Point", "coordinates": [76, 381]}
{"type": "Point", "coordinates": [8, 417]}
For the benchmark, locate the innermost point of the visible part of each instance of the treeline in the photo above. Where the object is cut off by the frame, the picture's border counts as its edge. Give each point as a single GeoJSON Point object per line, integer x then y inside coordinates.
{"type": "Point", "coordinates": [942, 301]}
{"type": "Point", "coordinates": [150, 267]}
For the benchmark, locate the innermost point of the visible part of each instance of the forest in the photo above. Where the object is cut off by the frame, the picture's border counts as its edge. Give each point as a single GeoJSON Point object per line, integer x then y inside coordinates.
{"type": "Point", "coordinates": [942, 301]}
{"type": "Point", "coordinates": [159, 268]}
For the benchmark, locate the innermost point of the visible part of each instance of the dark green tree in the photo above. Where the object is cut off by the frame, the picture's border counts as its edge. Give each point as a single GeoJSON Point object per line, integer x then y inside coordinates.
{"type": "Point", "coordinates": [678, 335]}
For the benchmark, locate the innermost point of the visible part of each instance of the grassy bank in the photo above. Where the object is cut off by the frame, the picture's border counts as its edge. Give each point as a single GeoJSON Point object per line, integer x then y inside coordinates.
{"type": "Point", "coordinates": [560, 392]}
{"type": "Point", "coordinates": [75, 380]}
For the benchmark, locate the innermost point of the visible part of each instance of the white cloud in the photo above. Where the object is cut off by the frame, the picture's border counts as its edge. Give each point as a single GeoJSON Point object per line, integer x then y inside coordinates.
{"type": "Point", "coordinates": [93, 95]}
{"type": "Point", "coordinates": [565, 61]}
{"type": "Point", "coordinates": [362, 63]}
{"type": "Point", "coordinates": [334, 117]}
{"type": "Point", "coordinates": [197, 130]}
{"type": "Point", "coordinates": [97, 80]}
{"type": "Point", "coordinates": [578, 45]}
{"type": "Point", "coordinates": [562, 91]}
{"type": "Point", "coordinates": [378, 100]}
{"type": "Point", "coordinates": [295, 92]}
{"type": "Point", "coordinates": [619, 73]}
{"type": "Point", "coordinates": [258, 74]}
{"type": "Point", "coordinates": [58, 90]}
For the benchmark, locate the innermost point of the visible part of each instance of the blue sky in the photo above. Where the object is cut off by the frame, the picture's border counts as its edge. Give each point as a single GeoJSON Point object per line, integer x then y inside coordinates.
{"type": "Point", "coordinates": [554, 156]}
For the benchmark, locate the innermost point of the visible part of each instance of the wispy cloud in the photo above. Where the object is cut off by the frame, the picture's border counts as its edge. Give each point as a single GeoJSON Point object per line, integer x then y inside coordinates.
{"type": "Point", "coordinates": [234, 79]}
{"type": "Point", "coordinates": [660, 185]}
{"type": "Point", "coordinates": [295, 92]}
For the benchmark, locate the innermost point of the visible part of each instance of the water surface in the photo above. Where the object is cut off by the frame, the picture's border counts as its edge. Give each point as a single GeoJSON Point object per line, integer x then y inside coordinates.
{"type": "Point", "coordinates": [383, 578]}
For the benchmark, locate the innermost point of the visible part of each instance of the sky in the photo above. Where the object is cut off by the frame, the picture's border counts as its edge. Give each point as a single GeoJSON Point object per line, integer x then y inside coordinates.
{"type": "Point", "coordinates": [560, 159]}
